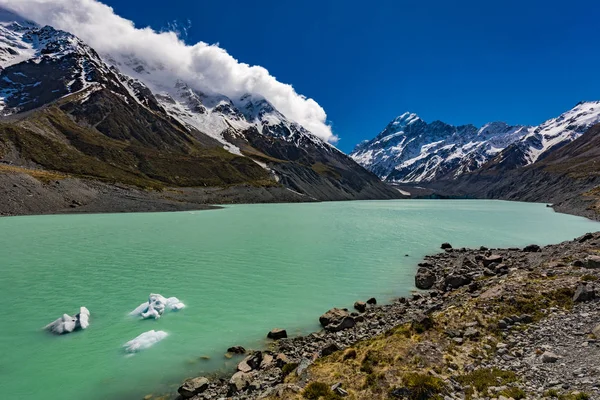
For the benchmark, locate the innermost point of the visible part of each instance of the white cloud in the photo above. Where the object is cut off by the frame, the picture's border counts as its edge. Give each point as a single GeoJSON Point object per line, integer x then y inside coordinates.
{"type": "Point", "coordinates": [205, 67]}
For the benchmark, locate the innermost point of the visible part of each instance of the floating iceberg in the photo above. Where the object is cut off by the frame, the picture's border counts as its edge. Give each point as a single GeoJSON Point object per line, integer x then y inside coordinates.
{"type": "Point", "coordinates": [156, 306]}
{"type": "Point", "coordinates": [144, 341]}
{"type": "Point", "coordinates": [68, 324]}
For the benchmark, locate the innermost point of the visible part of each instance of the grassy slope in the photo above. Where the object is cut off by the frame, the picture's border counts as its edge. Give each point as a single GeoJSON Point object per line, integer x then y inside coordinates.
{"type": "Point", "coordinates": [148, 151]}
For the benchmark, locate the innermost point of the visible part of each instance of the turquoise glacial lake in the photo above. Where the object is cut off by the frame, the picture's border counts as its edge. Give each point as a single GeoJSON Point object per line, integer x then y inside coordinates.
{"type": "Point", "coordinates": [241, 271]}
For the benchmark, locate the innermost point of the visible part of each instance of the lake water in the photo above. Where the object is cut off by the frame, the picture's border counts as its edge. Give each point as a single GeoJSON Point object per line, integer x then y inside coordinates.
{"type": "Point", "coordinates": [241, 271]}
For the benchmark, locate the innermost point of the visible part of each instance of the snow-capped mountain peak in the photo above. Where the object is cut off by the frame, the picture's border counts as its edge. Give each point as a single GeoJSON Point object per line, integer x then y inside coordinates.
{"type": "Point", "coordinates": [411, 150]}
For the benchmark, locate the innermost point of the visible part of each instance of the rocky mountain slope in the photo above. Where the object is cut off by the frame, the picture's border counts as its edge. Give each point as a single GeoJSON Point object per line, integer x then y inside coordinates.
{"type": "Point", "coordinates": [568, 176]}
{"type": "Point", "coordinates": [69, 110]}
{"type": "Point", "coordinates": [411, 150]}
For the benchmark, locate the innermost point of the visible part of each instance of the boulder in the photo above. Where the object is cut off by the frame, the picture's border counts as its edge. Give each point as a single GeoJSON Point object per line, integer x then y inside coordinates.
{"type": "Point", "coordinates": [372, 301]}
{"type": "Point", "coordinates": [457, 280]}
{"type": "Point", "coordinates": [361, 306]}
{"type": "Point", "coordinates": [549, 357]}
{"type": "Point", "coordinates": [532, 248]}
{"type": "Point", "coordinates": [267, 361]}
{"type": "Point", "coordinates": [239, 381]}
{"type": "Point", "coordinates": [445, 246]}
{"type": "Point", "coordinates": [193, 387]}
{"type": "Point", "coordinates": [277, 334]}
{"type": "Point", "coordinates": [493, 259]}
{"type": "Point", "coordinates": [236, 350]}
{"type": "Point", "coordinates": [584, 293]}
{"type": "Point", "coordinates": [471, 333]}
{"type": "Point", "coordinates": [281, 360]}
{"type": "Point", "coordinates": [302, 366]}
{"type": "Point", "coordinates": [425, 278]}
{"type": "Point", "coordinates": [333, 316]}
{"type": "Point", "coordinates": [346, 323]}
{"type": "Point", "coordinates": [329, 349]}
{"type": "Point", "coordinates": [251, 362]}
{"type": "Point", "coordinates": [592, 262]}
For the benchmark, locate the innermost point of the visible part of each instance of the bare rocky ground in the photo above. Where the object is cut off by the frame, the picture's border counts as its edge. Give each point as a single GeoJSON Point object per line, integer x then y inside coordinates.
{"type": "Point", "coordinates": [23, 194]}
{"type": "Point", "coordinates": [489, 324]}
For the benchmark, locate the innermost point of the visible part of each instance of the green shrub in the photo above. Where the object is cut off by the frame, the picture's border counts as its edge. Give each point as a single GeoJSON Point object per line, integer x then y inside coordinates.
{"type": "Point", "coordinates": [482, 379]}
{"type": "Point", "coordinates": [423, 386]}
{"type": "Point", "coordinates": [370, 360]}
{"type": "Point", "coordinates": [551, 393]}
{"type": "Point", "coordinates": [319, 390]}
{"type": "Point", "coordinates": [589, 278]}
{"type": "Point", "coordinates": [288, 368]}
{"type": "Point", "coordinates": [514, 392]}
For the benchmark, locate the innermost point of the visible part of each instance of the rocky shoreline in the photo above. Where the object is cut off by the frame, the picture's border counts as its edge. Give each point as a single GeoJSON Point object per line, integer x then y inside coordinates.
{"type": "Point", "coordinates": [489, 324]}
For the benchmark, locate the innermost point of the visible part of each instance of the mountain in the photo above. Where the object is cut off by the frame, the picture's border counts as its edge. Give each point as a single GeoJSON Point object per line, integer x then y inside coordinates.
{"type": "Point", "coordinates": [568, 176]}
{"type": "Point", "coordinates": [411, 150]}
{"type": "Point", "coordinates": [65, 108]}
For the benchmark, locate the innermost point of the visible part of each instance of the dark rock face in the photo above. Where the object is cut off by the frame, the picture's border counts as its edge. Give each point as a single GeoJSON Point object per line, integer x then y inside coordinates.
{"type": "Point", "coordinates": [193, 387]}
{"type": "Point", "coordinates": [372, 301]}
{"type": "Point", "coordinates": [277, 334]}
{"type": "Point", "coordinates": [346, 323]}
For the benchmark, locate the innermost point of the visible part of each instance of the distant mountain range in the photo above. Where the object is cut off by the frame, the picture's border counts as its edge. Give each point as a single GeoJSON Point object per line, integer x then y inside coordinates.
{"type": "Point", "coordinates": [409, 150]}
{"type": "Point", "coordinates": [66, 108]}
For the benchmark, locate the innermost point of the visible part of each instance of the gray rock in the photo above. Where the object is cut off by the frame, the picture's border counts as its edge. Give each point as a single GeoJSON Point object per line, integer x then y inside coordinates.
{"type": "Point", "coordinates": [192, 387]}
{"type": "Point", "coordinates": [584, 293]}
{"type": "Point", "coordinates": [333, 316]}
{"type": "Point", "coordinates": [494, 259]}
{"type": "Point", "coordinates": [425, 278]}
{"type": "Point", "coordinates": [549, 357]}
{"type": "Point", "coordinates": [346, 323]}
{"type": "Point", "coordinates": [592, 262]}
{"type": "Point", "coordinates": [239, 381]}
{"type": "Point", "coordinates": [302, 366]}
{"type": "Point", "coordinates": [445, 246]}
{"type": "Point", "coordinates": [456, 280]}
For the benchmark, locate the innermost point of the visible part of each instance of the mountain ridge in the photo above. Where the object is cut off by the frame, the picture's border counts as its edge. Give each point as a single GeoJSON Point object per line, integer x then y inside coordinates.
{"type": "Point", "coordinates": [409, 150]}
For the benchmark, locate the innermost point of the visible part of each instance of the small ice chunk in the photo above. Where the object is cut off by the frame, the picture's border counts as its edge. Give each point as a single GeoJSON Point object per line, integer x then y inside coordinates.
{"type": "Point", "coordinates": [83, 318]}
{"type": "Point", "coordinates": [174, 304]}
{"type": "Point", "coordinates": [156, 305]}
{"type": "Point", "coordinates": [144, 341]}
{"type": "Point", "coordinates": [68, 324]}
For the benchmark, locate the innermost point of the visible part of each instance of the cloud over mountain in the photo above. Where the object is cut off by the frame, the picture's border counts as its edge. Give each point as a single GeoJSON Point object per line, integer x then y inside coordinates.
{"type": "Point", "coordinates": [206, 68]}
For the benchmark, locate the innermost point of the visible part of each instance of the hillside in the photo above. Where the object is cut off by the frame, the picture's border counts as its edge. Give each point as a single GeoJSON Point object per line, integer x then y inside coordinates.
{"type": "Point", "coordinates": [72, 113]}
{"type": "Point", "coordinates": [568, 177]}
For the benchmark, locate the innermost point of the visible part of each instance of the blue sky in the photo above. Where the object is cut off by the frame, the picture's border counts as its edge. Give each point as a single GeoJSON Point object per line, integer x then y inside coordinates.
{"type": "Point", "coordinates": [367, 62]}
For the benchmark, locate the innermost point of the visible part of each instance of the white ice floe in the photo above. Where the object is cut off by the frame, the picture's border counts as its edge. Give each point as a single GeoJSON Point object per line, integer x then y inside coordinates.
{"type": "Point", "coordinates": [144, 341]}
{"type": "Point", "coordinates": [67, 324]}
{"type": "Point", "coordinates": [156, 306]}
